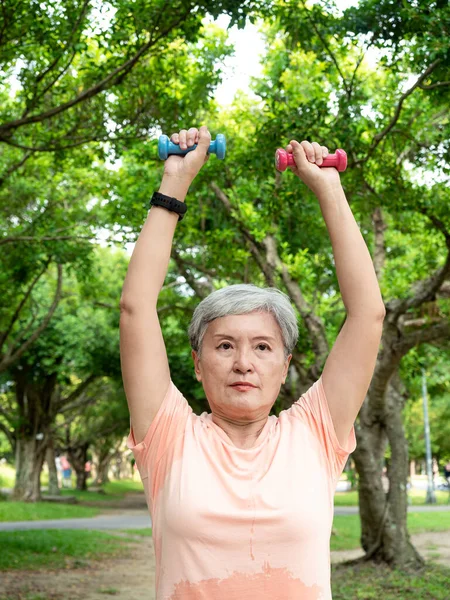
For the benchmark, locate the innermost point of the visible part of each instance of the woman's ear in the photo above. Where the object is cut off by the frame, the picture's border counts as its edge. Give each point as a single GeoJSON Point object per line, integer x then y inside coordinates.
{"type": "Point", "coordinates": [286, 367]}
{"type": "Point", "coordinates": [196, 360]}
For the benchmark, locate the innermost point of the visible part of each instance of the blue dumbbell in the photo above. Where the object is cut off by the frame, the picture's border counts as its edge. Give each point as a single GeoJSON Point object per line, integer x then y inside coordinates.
{"type": "Point", "coordinates": [166, 147]}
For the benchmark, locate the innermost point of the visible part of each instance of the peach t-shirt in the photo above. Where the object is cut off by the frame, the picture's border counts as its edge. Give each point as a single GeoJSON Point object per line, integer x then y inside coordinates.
{"type": "Point", "coordinates": [242, 524]}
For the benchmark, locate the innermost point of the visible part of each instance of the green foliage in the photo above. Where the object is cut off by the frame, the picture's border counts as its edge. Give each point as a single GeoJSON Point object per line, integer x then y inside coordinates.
{"type": "Point", "coordinates": [81, 67]}
{"type": "Point", "coordinates": [418, 31]}
{"type": "Point", "coordinates": [435, 362]}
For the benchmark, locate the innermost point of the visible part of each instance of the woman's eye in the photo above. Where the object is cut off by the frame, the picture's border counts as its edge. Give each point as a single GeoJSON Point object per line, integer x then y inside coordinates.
{"type": "Point", "coordinates": [227, 346]}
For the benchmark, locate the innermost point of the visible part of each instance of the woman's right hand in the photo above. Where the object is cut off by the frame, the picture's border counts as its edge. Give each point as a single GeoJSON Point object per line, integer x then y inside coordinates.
{"type": "Point", "coordinates": [185, 168]}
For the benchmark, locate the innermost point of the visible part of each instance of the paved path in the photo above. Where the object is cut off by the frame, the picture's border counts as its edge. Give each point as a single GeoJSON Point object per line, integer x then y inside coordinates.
{"type": "Point", "coordinates": [137, 521]}
{"type": "Point", "coordinates": [141, 520]}
{"type": "Point", "coordinates": [353, 510]}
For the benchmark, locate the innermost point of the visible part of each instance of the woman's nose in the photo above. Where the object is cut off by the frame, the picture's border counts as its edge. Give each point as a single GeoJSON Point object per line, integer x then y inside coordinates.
{"type": "Point", "coordinates": [242, 362]}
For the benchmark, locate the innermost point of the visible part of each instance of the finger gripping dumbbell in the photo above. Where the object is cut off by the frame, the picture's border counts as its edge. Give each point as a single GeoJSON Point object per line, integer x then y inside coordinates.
{"type": "Point", "coordinates": [166, 147]}
{"type": "Point", "coordinates": [285, 159]}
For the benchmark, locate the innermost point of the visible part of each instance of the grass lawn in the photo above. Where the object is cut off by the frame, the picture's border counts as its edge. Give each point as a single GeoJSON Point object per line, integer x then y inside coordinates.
{"type": "Point", "coordinates": [144, 532]}
{"type": "Point", "coordinates": [367, 582]}
{"type": "Point", "coordinates": [417, 498]}
{"type": "Point", "coordinates": [56, 549]}
{"type": "Point", "coordinates": [28, 511]}
{"type": "Point", "coordinates": [7, 476]}
{"type": "Point", "coordinates": [115, 490]}
{"type": "Point", "coordinates": [35, 511]}
{"type": "Point", "coordinates": [348, 529]}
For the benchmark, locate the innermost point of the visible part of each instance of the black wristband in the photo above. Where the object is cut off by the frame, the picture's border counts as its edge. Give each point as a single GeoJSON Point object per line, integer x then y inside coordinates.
{"type": "Point", "coordinates": [169, 203]}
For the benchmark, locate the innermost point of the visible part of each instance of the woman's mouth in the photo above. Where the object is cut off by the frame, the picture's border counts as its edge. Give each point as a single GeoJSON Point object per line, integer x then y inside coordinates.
{"type": "Point", "coordinates": [243, 387]}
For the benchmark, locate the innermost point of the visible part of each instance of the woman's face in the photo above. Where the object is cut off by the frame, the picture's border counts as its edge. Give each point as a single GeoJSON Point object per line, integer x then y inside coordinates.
{"type": "Point", "coordinates": [242, 348]}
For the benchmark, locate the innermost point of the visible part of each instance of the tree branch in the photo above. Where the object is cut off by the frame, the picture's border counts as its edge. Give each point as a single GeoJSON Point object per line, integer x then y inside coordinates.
{"type": "Point", "coordinates": [189, 263]}
{"type": "Point", "coordinates": [327, 48]}
{"type": "Point", "coordinates": [15, 316]}
{"type": "Point", "coordinates": [358, 64]}
{"type": "Point", "coordinates": [16, 166]}
{"type": "Point", "coordinates": [22, 334]}
{"type": "Point", "coordinates": [78, 391]}
{"type": "Point", "coordinates": [108, 81]}
{"type": "Point", "coordinates": [440, 331]}
{"type": "Point", "coordinates": [379, 136]}
{"type": "Point", "coordinates": [80, 142]}
{"type": "Point", "coordinates": [422, 291]}
{"type": "Point", "coordinates": [255, 247]}
{"type": "Point", "coordinates": [184, 309]}
{"type": "Point", "coordinates": [32, 103]}
{"type": "Point", "coordinates": [29, 238]}
{"type": "Point", "coordinates": [72, 33]}
{"type": "Point", "coordinates": [37, 97]}
{"type": "Point", "coordinates": [8, 359]}
{"type": "Point", "coordinates": [9, 435]}
{"type": "Point", "coordinates": [380, 251]}
{"type": "Point", "coordinates": [5, 415]}
{"type": "Point", "coordinates": [313, 323]}
{"type": "Point", "coordinates": [202, 289]}
{"type": "Point", "coordinates": [82, 401]}
{"type": "Point", "coordinates": [444, 290]}
{"type": "Point", "coordinates": [432, 86]}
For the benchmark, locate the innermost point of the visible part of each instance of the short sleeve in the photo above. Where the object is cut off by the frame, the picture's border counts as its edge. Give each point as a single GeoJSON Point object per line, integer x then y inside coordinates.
{"type": "Point", "coordinates": [312, 408]}
{"type": "Point", "coordinates": [167, 426]}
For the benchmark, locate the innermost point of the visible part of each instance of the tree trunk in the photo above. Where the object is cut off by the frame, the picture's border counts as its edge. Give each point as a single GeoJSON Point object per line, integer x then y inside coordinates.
{"type": "Point", "coordinates": [384, 535]}
{"type": "Point", "coordinates": [81, 479]}
{"type": "Point", "coordinates": [402, 551]}
{"type": "Point", "coordinates": [53, 484]}
{"type": "Point", "coordinates": [78, 459]}
{"type": "Point", "coordinates": [34, 401]}
{"type": "Point", "coordinates": [103, 468]}
{"type": "Point", "coordinates": [30, 456]}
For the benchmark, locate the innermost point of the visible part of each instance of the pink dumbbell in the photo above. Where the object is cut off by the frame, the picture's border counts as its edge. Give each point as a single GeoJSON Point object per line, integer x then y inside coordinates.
{"type": "Point", "coordinates": [284, 159]}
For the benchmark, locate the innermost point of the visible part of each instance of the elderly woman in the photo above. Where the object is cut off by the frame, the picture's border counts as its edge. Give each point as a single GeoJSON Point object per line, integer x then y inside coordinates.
{"type": "Point", "coordinates": [242, 502]}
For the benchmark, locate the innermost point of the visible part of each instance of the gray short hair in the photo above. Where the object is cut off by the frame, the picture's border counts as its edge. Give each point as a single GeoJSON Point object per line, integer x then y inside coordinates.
{"type": "Point", "coordinates": [240, 299]}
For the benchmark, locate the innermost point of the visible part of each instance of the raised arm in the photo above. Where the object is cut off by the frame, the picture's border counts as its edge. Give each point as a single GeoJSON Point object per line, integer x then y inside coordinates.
{"type": "Point", "coordinates": [350, 365]}
{"type": "Point", "coordinates": [145, 368]}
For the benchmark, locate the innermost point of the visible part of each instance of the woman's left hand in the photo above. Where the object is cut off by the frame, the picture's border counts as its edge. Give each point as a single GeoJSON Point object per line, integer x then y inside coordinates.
{"type": "Point", "coordinates": [308, 157]}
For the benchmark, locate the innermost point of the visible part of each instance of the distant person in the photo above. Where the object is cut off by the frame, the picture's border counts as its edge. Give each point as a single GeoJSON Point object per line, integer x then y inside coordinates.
{"type": "Point", "coordinates": [66, 472]}
{"type": "Point", "coordinates": [242, 501]}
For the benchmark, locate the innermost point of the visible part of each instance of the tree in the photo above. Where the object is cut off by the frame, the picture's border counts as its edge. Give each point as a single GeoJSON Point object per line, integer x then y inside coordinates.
{"type": "Point", "coordinates": [99, 427]}
{"type": "Point", "coordinates": [434, 359]}
{"type": "Point", "coordinates": [54, 376]}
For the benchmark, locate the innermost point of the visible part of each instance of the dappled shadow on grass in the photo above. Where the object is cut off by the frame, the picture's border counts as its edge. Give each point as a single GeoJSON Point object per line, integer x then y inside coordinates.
{"type": "Point", "coordinates": [367, 581]}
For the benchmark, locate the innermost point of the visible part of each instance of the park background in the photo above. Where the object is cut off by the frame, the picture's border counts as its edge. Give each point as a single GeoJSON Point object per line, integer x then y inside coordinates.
{"type": "Point", "coordinates": [86, 88]}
